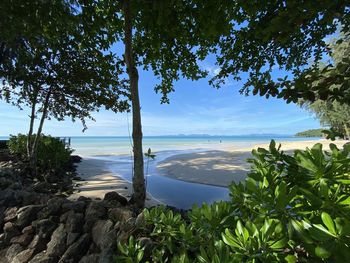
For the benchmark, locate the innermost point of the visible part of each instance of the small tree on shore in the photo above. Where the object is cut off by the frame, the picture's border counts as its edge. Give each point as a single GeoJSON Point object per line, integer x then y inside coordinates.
{"type": "Point", "coordinates": [60, 71]}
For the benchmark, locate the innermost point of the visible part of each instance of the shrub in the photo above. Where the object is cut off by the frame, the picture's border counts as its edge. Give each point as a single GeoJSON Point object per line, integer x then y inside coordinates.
{"type": "Point", "coordinates": [52, 153]}
{"type": "Point", "coordinates": [291, 208]}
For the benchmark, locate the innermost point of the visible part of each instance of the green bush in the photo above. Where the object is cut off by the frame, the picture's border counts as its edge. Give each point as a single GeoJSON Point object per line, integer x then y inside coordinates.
{"type": "Point", "coordinates": [52, 154]}
{"type": "Point", "coordinates": [290, 209]}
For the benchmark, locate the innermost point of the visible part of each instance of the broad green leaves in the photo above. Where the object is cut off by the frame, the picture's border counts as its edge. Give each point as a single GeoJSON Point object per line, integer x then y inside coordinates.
{"type": "Point", "coordinates": [292, 208]}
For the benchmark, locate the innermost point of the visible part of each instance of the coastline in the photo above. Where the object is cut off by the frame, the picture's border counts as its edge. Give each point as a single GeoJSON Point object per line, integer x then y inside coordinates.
{"type": "Point", "coordinates": [220, 168]}
{"type": "Point", "coordinates": [97, 180]}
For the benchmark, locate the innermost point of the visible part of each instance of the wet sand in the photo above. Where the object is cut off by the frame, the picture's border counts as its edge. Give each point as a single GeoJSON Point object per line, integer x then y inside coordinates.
{"type": "Point", "coordinates": [97, 181]}
{"type": "Point", "coordinates": [220, 168]}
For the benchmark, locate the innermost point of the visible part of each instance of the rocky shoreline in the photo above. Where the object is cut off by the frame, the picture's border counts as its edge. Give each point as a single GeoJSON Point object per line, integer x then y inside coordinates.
{"type": "Point", "coordinates": [38, 224]}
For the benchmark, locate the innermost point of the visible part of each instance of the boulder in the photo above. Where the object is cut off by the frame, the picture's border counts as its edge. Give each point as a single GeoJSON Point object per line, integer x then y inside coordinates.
{"type": "Point", "coordinates": [42, 257]}
{"type": "Point", "coordinates": [92, 258]}
{"type": "Point", "coordinates": [39, 243]}
{"type": "Point", "coordinates": [53, 208]}
{"type": "Point", "coordinates": [13, 251]}
{"type": "Point", "coordinates": [74, 222]}
{"type": "Point", "coordinates": [57, 244]}
{"type": "Point", "coordinates": [10, 214]}
{"type": "Point", "coordinates": [24, 256]}
{"type": "Point", "coordinates": [27, 214]}
{"type": "Point", "coordinates": [93, 212]}
{"type": "Point", "coordinates": [101, 233]}
{"type": "Point", "coordinates": [77, 206]}
{"type": "Point", "coordinates": [44, 227]}
{"type": "Point", "coordinates": [106, 256]}
{"type": "Point", "coordinates": [28, 230]}
{"type": "Point", "coordinates": [116, 198]}
{"type": "Point", "coordinates": [23, 239]}
{"type": "Point", "coordinates": [77, 250]}
{"type": "Point", "coordinates": [120, 214]}
{"type": "Point", "coordinates": [72, 237]}
{"type": "Point", "coordinates": [10, 231]}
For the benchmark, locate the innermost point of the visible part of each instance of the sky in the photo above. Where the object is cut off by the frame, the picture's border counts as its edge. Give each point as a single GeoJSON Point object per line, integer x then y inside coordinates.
{"type": "Point", "coordinates": [195, 108]}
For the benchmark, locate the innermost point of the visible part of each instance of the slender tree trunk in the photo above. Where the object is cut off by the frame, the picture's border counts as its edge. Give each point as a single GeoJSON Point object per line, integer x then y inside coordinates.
{"type": "Point", "coordinates": [34, 150]}
{"type": "Point", "coordinates": [347, 131]}
{"type": "Point", "coordinates": [32, 118]}
{"type": "Point", "coordinates": [138, 180]}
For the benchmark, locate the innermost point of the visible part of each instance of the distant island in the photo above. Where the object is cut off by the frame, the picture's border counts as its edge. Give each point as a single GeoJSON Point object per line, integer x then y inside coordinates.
{"type": "Point", "coordinates": [310, 133]}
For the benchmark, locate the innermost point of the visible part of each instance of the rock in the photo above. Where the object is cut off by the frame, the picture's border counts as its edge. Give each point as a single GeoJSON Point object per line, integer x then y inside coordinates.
{"type": "Point", "coordinates": [13, 251]}
{"type": "Point", "coordinates": [10, 214]}
{"type": "Point", "coordinates": [72, 237]}
{"type": "Point", "coordinates": [27, 214]}
{"type": "Point", "coordinates": [28, 230]}
{"type": "Point", "coordinates": [39, 243]}
{"type": "Point", "coordinates": [23, 239]}
{"type": "Point", "coordinates": [44, 227]}
{"type": "Point", "coordinates": [84, 199]}
{"type": "Point", "coordinates": [10, 231]}
{"type": "Point", "coordinates": [106, 256]}
{"type": "Point", "coordinates": [53, 208]}
{"type": "Point", "coordinates": [57, 244]}
{"type": "Point", "coordinates": [2, 215]}
{"type": "Point", "coordinates": [24, 256]}
{"type": "Point", "coordinates": [92, 258]}
{"type": "Point", "coordinates": [119, 214]}
{"type": "Point", "coordinates": [115, 198]}
{"type": "Point", "coordinates": [76, 250]}
{"type": "Point", "coordinates": [101, 233]}
{"type": "Point", "coordinates": [93, 212]}
{"type": "Point", "coordinates": [42, 257]}
{"type": "Point", "coordinates": [75, 222]}
{"type": "Point", "coordinates": [77, 206]}
{"type": "Point", "coordinates": [140, 220]}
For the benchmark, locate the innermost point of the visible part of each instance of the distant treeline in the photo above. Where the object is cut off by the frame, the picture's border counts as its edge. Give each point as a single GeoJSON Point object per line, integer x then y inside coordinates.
{"type": "Point", "coordinates": [311, 133]}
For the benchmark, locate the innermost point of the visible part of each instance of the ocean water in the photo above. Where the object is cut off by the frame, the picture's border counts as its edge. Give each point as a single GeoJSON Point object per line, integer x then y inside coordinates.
{"type": "Point", "coordinates": [92, 146]}
{"type": "Point", "coordinates": [118, 152]}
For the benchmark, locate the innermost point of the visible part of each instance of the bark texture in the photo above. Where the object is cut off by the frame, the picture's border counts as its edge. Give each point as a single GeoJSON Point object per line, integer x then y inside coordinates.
{"type": "Point", "coordinates": [138, 180]}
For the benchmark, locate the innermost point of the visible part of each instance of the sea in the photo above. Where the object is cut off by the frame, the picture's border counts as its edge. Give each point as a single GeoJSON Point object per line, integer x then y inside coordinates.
{"type": "Point", "coordinates": [117, 152]}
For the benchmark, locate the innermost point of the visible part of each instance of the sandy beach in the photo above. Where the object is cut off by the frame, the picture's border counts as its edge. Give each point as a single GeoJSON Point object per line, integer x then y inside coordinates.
{"type": "Point", "coordinates": [222, 167]}
{"type": "Point", "coordinates": [97, 181]}
{"type": "Point", "coordinates": [209, 167]}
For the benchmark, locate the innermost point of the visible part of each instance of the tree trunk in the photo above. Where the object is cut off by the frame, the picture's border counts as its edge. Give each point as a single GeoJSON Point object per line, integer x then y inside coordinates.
{"type": "Point", "coordinates": [347, 131]}
{"type": "Point", "coordinates": [31, 125]}
{"type": "Point", "coordinates": [34, 150]}
{"type": "Point", "coordinates": [138, 179]}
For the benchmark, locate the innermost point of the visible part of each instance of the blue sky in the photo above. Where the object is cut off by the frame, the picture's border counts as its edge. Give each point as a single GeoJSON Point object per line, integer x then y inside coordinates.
{"type": "Point", "coordinates": [195, 108]}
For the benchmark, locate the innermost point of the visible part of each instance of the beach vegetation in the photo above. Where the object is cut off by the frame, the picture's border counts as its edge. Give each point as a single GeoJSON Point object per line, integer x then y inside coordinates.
{"type": "Point", "coordinates": [52, 156]}
{"type": "Point", "coordinates": [333, 113]}
{"type": "Point", "coordinates": [53, 63]}
{"type": "Point", "coordinates": [291, 208]}
{"type": "Point", "coordinates": [311, 133]}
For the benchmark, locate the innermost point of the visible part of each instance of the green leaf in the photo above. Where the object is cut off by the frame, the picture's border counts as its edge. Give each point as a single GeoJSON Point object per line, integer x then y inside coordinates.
{"type": "Point", "coordinates": [327, 220]}
{"type": "Point", "coordinates": [322, 252]}
{"type": "Point", "coordinates": [291, 259]}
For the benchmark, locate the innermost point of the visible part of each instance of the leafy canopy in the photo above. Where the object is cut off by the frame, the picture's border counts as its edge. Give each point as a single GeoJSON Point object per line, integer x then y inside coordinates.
{"type": "Point", "coordinates": [53, 50]}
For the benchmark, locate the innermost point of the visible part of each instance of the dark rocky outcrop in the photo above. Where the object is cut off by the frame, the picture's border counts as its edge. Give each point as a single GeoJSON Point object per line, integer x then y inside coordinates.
{"type": "Point", "coordinates": [38, 224]}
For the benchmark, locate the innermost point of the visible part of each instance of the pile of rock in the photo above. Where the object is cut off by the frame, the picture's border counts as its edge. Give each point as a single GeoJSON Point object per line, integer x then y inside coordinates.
{"type": "Point", "coordinates": [60, 230]}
